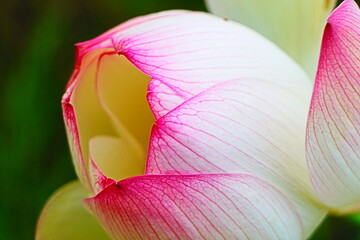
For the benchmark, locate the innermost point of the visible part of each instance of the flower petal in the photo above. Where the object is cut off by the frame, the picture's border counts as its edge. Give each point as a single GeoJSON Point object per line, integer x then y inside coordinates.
{"type": "Point", "coordinates": [64, 217]}
{"type": "Point", "coordinates": [106, 97]}
{"type": "Point", "coordinates": [296, 25]}
{"type": "Point", "coordinates": [219, 206]}
{"type": "Point", "coordinates": [98, 180]}
{"type": "Point", "coordinates": [190, 52]}
{"type": "Point", "coordinates": [246, 125]}
{"type": "Point", "coordinates": [80, 103]}
{"type": "Point", "coordinates": [183, 52]}
{"type": "Point", "coordinates": [333, 132]}
{"type": "Point", "coordinates": [121, 89]}
{"type": "Point", "coordinates": [115, 158]}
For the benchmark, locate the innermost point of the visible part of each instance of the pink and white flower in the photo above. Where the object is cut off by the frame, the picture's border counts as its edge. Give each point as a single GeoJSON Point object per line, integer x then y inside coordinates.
{"type": "Point", "coordinates": [221, 154]}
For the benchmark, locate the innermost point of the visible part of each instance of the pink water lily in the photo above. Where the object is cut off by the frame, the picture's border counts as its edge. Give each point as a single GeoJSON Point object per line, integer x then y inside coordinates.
{"type": "Point", "coordinates": [220, 153]}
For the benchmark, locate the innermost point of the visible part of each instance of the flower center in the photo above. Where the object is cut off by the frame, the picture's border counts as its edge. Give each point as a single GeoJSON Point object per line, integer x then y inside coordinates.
{"type": "Point", "coordinates": [113, 116]}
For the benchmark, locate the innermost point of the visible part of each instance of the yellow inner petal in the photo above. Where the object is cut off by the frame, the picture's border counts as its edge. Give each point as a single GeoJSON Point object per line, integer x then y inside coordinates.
{"type": "Point", "coordinates": [115, 157]}
{"type": "Point", "coordinates": [112, 113]}
{"type": "Point", "coordinates": [122, 90]}
{"type": "Point", "coordinates": [91, 118]}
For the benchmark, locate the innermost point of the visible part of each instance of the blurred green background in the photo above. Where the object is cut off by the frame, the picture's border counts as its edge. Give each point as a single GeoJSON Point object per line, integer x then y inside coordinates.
{"type": "Point", "coordinates": [37, 51]}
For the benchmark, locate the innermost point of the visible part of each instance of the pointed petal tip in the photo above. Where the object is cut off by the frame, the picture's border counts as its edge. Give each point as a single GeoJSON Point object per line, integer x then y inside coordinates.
{"type": "Point", "coordinates": [333, 133]}
{"type": "Point", "coordinates": [342, 11]}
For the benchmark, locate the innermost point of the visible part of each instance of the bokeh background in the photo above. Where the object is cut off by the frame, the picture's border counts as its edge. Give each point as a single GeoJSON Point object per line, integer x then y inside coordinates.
{"type": "Point", "coordinates": [37, 57]}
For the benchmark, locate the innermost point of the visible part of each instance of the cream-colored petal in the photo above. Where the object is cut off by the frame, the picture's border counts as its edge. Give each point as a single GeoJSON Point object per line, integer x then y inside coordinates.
{"type": "Point", "coordinates": [122, 91]}
{"type": "Point", "coordinates": [295, 25]}
{"type": "Point", "coordinates": [64, 217]}
{"type": "Point", "coordinates": [115, 158]}
{"type": "Point", "coordinates": [109, 98]}
{"type": "Point", "coordinates": [91, 118]}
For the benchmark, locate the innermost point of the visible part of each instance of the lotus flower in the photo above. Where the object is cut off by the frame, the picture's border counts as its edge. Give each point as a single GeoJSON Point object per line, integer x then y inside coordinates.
{"type": "Point", "coordinates": [221, 154]}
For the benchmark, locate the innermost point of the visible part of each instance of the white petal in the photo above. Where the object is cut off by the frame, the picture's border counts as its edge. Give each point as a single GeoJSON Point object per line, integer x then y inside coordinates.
{"type": "Point", "coordinates": [246, 125]}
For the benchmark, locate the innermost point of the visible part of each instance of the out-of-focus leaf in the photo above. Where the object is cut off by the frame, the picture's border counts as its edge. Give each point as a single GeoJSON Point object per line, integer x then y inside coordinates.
{"type": "Point", "coordinates": [29, 150]}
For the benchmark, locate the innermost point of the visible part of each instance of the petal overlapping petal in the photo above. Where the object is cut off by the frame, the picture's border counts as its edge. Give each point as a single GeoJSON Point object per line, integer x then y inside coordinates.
{"type": "Point", "coordinates": [89, 110]}
{"type": "Point", "coordinates": [296, 25]}
{"type": "Point", "coordinates": [80, 103]}
{"type": "Point", "coordinates": [245, 125]}
{"type": "Point", "coordinates": [218, 206]}
{"type": "Point", "coordinates": [114, 158]}
{"type": "Point", "coordinates": [83, 99]}
{"type": "Point", "coordinates": [190, 52]}
{"type": "Point", "coordinates": [333, 132]}
{"type": "Point", "coordinates": [184, 53]}
{"type": "Point", "coordinates": [64, 217]}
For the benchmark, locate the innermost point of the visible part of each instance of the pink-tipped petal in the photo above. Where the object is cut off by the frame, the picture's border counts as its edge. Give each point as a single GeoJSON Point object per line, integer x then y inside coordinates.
{"type": "Point", "coordinates": [247, 125]}
{"type": "Point", "coordinates": [98, 180]}
{"type": "Point", "coordinates": [75, 147]}
{"type": "Point", "coordinates": [333, 132]}
{"type": "Point", "coordinates": [104, 40]}
{"type": "Point", "coordinates": [80, 104]}
{"type": "Point", "coordinates": [228, 206]}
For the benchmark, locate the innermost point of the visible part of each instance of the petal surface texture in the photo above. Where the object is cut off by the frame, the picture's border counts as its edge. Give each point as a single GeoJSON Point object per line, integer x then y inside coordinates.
{"type": "Point", "coordinates": [183, 52]}
{"type": "Point", "coordinates": [296, 25]}
{"type": "Point", "coordinates": [333, 132]}
{"type": "Point", "coordinates": [245, 125]}
{"type": "Point", "coordinates": [189, 52]}
{"type": "Point", "coordinates": [64, 217]}
{"type": "Point", "coordinates": [195, 207]}
{"type": "Point", "coordinates": [254, 120]}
